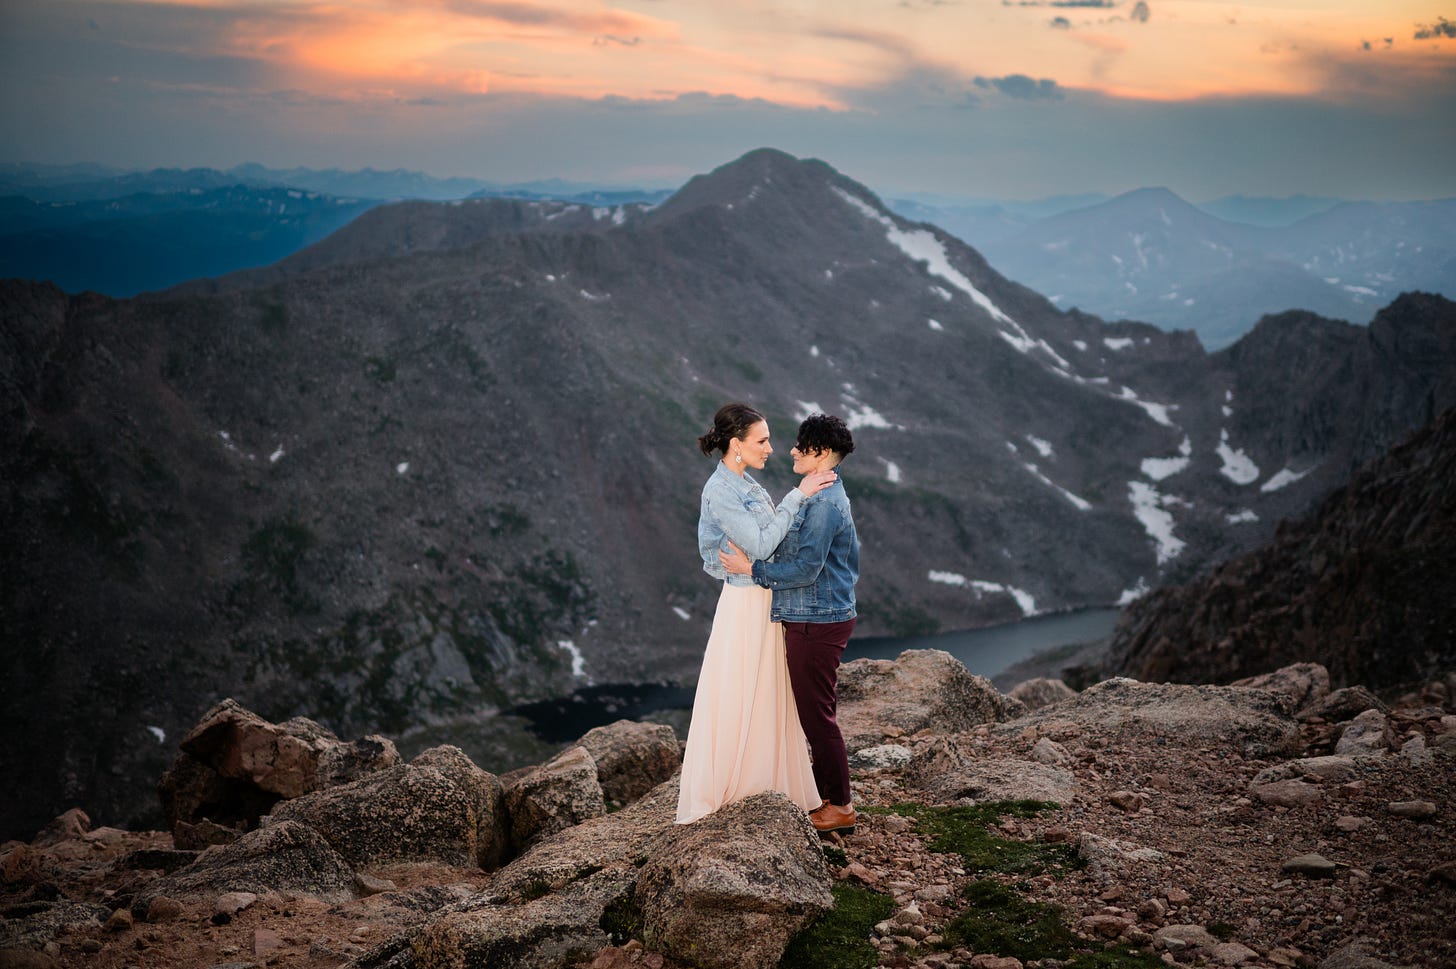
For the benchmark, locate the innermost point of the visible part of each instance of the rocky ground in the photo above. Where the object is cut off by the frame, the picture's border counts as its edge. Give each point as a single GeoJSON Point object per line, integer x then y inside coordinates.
{"type": "Point", "coordinates": [1201, 826]}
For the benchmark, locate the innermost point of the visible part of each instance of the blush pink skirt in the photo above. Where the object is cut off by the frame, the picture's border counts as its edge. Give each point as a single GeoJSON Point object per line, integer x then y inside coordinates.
{"type": "Point", "coordinates": [745, 736]}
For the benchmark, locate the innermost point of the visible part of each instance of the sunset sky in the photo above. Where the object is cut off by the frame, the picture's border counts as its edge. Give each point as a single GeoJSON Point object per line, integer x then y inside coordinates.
{"type": "Point", "coordinates": [969, 98]}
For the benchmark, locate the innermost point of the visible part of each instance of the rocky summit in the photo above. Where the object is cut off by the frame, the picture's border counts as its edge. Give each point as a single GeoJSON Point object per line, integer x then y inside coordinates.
{"type": "Point", "coordinates": [443, 462]}
{"type": "Point", "coordinates": [1276, 825]}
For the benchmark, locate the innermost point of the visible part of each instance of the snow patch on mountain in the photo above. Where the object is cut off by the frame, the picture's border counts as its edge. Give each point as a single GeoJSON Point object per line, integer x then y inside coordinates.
{"type": "Point", "coordinates": [1283, 478]}
{"type": "Point", "coordinates": [1148, 507]}
{"type": "Point", "coordinates": [1080, 503]}
{"type": "Point", "coordinates": [1158, 412]}
{"type": "Point", "coordinates": [1024, 599]}
{"type": "Point", "coordinates": [1160, 468]}
{"type": "Point", "coordinates": [1238, 467]}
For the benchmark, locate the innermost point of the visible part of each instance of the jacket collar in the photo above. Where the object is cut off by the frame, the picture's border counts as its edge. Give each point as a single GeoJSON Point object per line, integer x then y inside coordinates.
{"type": "Point", "coordinates": [741, 486]}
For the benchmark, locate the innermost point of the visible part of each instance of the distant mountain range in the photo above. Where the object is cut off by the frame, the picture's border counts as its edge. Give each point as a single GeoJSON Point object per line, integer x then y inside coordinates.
{"type": "Point", "coordinates": [1215, 268]}
{"type": "Point", "coordinates": [127, 244]}
{"type": "Point", "coordinates": [122, 233]}
{"type": "Point", "coordinates": [1150, 256]}
{"type": "Point", "coordinates": [443, 460]}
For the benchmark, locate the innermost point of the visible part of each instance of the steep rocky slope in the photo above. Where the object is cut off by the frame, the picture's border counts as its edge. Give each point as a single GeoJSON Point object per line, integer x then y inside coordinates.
{"type": "Point", "coordinates": [1366, 585]}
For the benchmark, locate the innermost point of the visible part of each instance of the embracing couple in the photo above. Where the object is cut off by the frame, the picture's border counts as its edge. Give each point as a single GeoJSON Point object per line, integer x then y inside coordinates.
{"type": "Point", "coordinates": [768, 682]}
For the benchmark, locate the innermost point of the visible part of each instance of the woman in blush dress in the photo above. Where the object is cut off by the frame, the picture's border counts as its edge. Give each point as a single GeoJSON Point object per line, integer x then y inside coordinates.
{"type": "Point", "coordinates": [745, 736]}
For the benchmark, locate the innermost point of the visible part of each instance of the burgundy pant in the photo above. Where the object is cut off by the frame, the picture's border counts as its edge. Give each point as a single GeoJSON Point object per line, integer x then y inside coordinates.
{"type": "Point", "coordinates": [814, 649]}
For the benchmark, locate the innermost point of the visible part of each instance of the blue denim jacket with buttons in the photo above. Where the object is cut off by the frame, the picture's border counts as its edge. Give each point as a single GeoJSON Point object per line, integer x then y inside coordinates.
{"type": "Point", "coordinates": [738, 508]}
{"type": "Point", "coordinates": [814, 570]}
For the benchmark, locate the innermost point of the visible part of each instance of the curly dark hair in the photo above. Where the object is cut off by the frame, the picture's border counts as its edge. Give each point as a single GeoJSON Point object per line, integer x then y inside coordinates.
{"type": "Point", "coordinates": [824, 432]}
{"type": "Point", "coordinates": [730, 424]}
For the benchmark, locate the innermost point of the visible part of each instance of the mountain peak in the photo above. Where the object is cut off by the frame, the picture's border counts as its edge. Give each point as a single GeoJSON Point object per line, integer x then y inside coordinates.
{"type": "Point", "coordinates": [749, 176]}
{"type": "Point", "coordinates": [1149, 198]}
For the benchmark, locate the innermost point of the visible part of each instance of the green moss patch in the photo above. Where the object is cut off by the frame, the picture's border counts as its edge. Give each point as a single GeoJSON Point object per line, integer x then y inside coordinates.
{"type": "Point", "coordinates": [841, 938]}
{"type": "Point", "coordinates": [1116, 957]}
{"type": "Point", "coordinates": [1002, 922]}
{"type": "Point", "coordinates": [969, 832]}
{"type": "Point", "coordinates": [622, 920]}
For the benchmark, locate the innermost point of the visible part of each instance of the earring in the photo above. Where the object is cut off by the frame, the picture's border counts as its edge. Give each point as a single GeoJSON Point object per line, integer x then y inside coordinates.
{"type": "Point", "coordinates": [738, 458]}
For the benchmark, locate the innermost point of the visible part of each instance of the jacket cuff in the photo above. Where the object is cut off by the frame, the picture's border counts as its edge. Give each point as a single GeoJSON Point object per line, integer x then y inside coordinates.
{"type": "Point", "coordinates": [758, 576]}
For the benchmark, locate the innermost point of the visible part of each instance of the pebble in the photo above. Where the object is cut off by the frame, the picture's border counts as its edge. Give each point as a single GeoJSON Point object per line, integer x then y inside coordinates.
{"type": "Point", "coordinates": [1366, 734]}
{"type": "Point", "coordinates": [987, 961]}
{"type": "Point", "coordinates": [898, 823]}
{"type": "Point", "coordinates": [909, 915]}
{"type": "Point", "coordinates": [1415, 751]}
{"type": "Point", "coordinates": [1107, 926]}
{"type": "Point", "coordinates": [882, 757]}
{"type": "Point", "coordinates": [1415, 810]}
{"type": "Point", "coordinates": [1127, 800]}
{"type": "Point", "coordinates": [231, 903]}
{"type": "Point", "coordinates": [163, 909]}
{"type": "Point", "coordinates": [1180, 936]}
{"type": "Point", "coordinates": [934, 893]}
{"type": "Point", "coordinates": [1290, 793]}
{"type": "Point", "coordinates": [120, 921]}
{"type": "Point", "coordinates": [1284, 956]}
{"type": "Point", "coordinates": [1350, 822]}
{"type": "Point", "coordinates": [1232, 953]}
{"type": "Point", "coordinates": [1152, 909]}
{"type": "Point", "coordinates": [1177, 896]}
{"type": "Point", "coordinates": [1048, 751]}
{"type": "Point", "coordinates": [1313, 865]}
{"type": "Point", "coordinates": [370, 885]}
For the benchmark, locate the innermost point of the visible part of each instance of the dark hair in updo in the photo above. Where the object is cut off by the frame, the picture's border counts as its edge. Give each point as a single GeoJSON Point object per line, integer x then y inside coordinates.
{"type": "Point", "coordinates": [824, 432]}
{"type": "Point", "coordinates": [730, 424]}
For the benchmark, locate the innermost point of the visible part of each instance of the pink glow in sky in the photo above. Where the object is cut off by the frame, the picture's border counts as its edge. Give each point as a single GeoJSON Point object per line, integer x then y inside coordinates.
{"type": "Point", "coordinates": [980, 97]}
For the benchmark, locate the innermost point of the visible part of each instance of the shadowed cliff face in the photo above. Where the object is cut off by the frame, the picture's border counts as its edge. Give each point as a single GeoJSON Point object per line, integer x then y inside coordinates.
{"type": "Point", "coordinates": [1364, 585]}
{"type": "Point", "coordinates": [444, 461]}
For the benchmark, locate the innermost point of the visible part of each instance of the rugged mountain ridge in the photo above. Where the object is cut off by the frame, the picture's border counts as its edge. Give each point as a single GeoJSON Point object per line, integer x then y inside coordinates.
{"type": "Point", "coordinates": [443, 461]}
{"type": "Point", "coordinates": [1363, 585]}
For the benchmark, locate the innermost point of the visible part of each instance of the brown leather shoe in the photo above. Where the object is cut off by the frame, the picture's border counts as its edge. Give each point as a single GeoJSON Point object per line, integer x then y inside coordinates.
{"type": "Point", "coordinates": [831, 817]}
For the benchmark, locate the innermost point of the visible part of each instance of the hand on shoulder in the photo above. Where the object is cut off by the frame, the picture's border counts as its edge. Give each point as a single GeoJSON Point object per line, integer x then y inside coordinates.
{"type": "Point", "coordinates": [816, 481]}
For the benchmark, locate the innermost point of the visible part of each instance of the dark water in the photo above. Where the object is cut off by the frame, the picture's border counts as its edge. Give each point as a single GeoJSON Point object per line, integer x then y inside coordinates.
{"type": "Point", "coordinates": [990, 650]}
{"type": "Point", "coordinates": [985, 651]}
{"type": "Point", "coordinates": [562, 719]}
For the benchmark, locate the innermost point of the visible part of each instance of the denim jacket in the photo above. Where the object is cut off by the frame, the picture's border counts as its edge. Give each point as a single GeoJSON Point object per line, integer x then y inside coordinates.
{"type": "Point", "coordinates": [740, 509]}
{"type": "Point", "coordinates": [814, 570]}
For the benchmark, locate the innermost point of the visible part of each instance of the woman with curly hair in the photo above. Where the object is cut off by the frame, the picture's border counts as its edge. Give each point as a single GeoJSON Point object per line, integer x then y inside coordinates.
{"type": "Point", "coordinates": [745, 735]}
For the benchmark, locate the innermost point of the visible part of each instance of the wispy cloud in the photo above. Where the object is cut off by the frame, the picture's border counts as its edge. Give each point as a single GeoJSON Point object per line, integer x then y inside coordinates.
{"type": "Point", "coordinates": [590, 22]}
{"type": "Point", "coordinates": [1023, 87]}
{"type": "Point", "coordinates": [1441, 28]}
{"type": "Point", "coordinates": [875, 88]}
